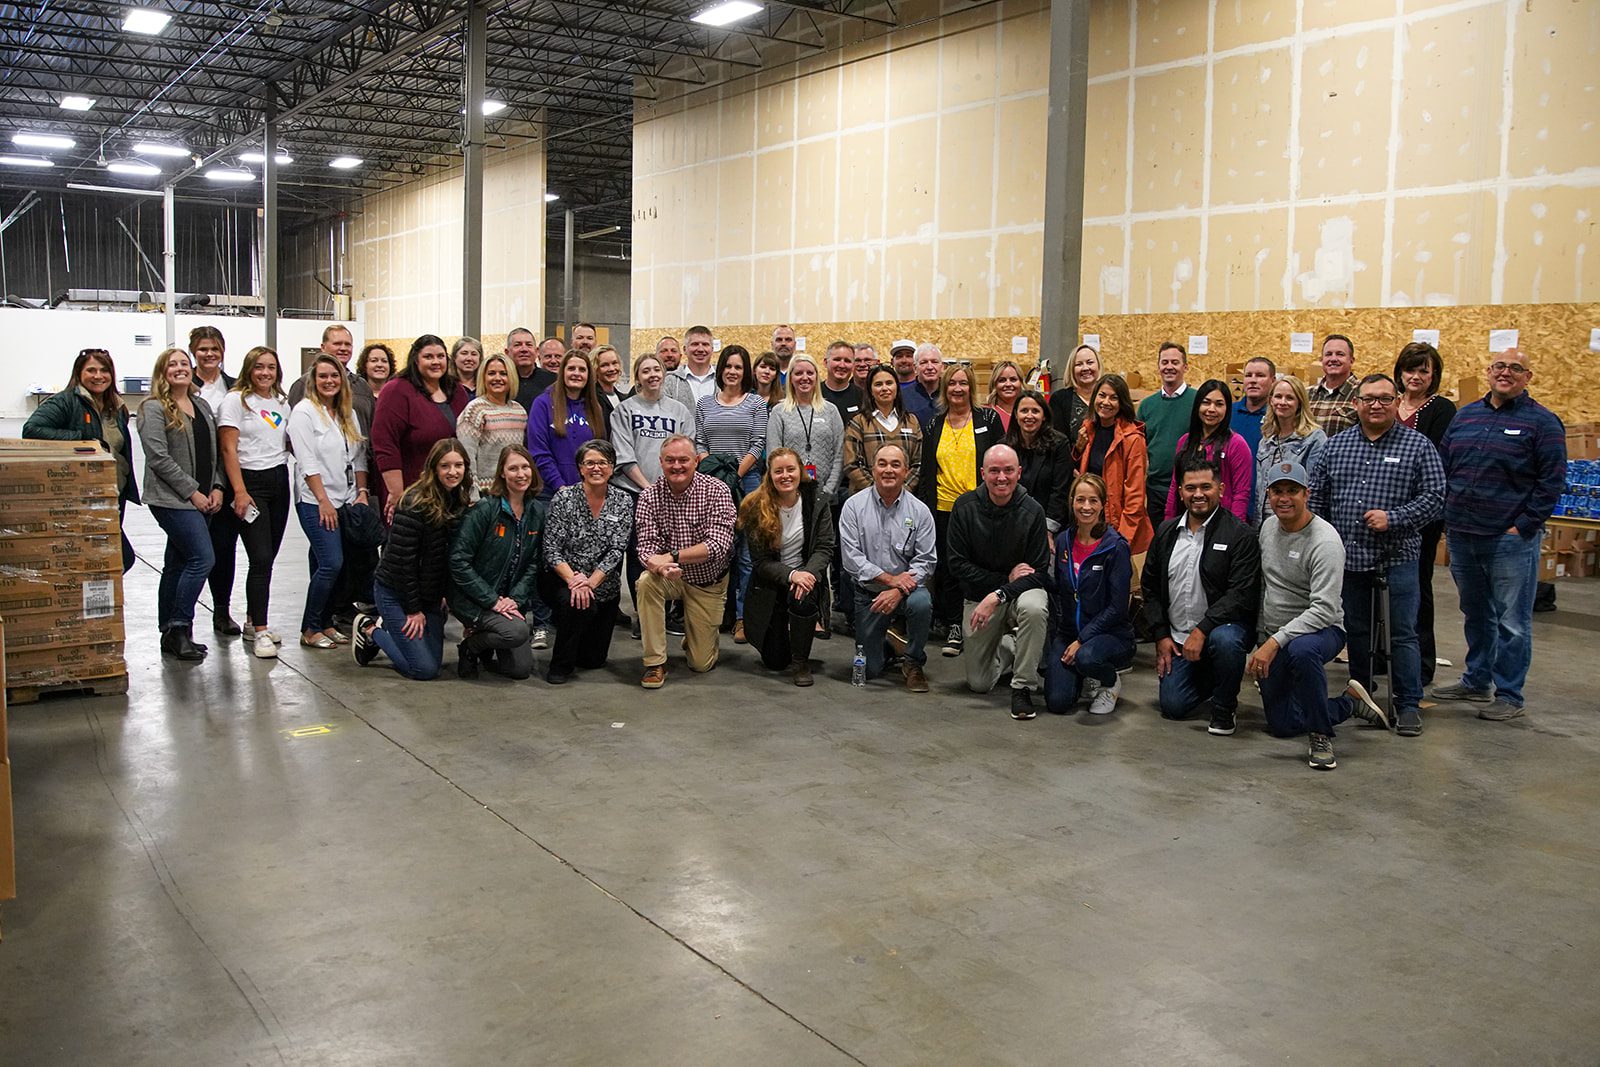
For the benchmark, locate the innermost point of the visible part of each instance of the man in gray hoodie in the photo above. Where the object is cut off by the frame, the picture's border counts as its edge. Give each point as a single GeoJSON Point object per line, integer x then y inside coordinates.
{"type": "Point", "coordinates": [1302, 580]}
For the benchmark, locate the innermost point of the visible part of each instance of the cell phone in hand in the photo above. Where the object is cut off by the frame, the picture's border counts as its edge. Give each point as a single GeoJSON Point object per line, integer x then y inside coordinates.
{"type": "Point", "coordinates": [252, 513]}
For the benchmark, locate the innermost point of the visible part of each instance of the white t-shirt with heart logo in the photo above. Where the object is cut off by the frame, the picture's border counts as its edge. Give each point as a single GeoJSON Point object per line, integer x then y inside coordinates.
{"type": "Point", "coordinates": [263, 426]}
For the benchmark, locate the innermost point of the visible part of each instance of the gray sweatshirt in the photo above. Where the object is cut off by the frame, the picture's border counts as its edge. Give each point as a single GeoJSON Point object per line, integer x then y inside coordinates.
{"type": "Point", "coordinates": [1302, 579]}
{"type": "Point", "coordinates": [638, 427]}
{"type": "Point", "coordinates": [788, 427]}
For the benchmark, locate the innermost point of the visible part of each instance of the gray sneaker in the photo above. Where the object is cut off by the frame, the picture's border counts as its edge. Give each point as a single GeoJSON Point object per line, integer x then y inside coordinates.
{"type": "Point", "coordinates": [1320, 754]}
{"type": "Point", "coordinates": [1500, 711]}
{"type": "Point", "coordinates": [1459, 693]}
{"type": "Point", "coordinates": [1410, 724]}
{"type": "Point", "coordinates": [1366, 709]}
{"type": "Point", "coordinates": [541, 637]}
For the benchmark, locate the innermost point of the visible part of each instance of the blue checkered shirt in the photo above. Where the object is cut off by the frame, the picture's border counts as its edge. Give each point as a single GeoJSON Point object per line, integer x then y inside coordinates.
{"type": "Point", "coordinates": [1400, 473]}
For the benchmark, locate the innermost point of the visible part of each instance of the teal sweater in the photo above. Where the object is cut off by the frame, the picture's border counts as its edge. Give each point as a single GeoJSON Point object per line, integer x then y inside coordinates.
{"type": "Point", "coordinates": [1165, 420]}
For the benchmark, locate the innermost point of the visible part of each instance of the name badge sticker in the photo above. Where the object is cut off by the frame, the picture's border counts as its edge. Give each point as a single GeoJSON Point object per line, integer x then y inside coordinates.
{"type": "Point", "coordinates": [1391, 459]}
{"type": "Point", "coordinates": [1098, 567]}
{"type": "Point", "coordinates": [1513, 433]}
{"type": "Point", "coordinates": [1294, 555]}
{"type": "Point", "coordinates": [1220, 548]}
{"type": "Point", "coordinates": [985, 429]}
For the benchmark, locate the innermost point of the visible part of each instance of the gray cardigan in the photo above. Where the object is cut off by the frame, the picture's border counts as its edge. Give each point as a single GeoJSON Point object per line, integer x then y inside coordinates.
{"type": "Point", "coordinates": [786, 428]}
{"type": "Point", "coordinates": [169, 454]}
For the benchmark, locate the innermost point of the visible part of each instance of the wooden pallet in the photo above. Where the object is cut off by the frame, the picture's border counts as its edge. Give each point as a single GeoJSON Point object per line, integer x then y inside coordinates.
{"type": "Point", "coordinates": [31, 694]}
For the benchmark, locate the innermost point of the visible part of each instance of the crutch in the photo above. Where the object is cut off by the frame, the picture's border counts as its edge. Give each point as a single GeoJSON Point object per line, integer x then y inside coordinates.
{"type": "Point", "coordinates": [1378, 609]}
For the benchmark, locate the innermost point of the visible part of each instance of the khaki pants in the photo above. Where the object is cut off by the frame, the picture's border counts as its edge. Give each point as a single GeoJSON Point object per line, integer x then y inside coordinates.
{"type": "Point", "coordinates": [702, 617]}
{"type": "Point", "coordinates": [988, 655]}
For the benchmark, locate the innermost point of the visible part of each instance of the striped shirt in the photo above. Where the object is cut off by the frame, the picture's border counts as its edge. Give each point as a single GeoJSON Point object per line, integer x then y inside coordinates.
{"type": "Point", "coordinates": [1398, 472]}
{"type": "Point", "coordinates": [739, 430]}
{"type": "Point", "coordinates": [1504, 466]}
{"type": "Point", "coordinates": [486, 428]}
{"type": "Point", "coordinates": [668, 521]}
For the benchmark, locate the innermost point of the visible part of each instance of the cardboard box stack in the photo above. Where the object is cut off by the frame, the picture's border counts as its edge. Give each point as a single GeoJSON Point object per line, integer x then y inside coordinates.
{"type": "Point", "coordinates": [60, 568]}
{"type": "Point", "coordinates": [8, 843]}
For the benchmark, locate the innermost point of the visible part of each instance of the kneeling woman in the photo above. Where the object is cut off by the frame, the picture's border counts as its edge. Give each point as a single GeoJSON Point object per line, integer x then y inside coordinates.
{"type": "Point", "coordinates": [494, 567]}
{"type": "Point", "coordinates": [1093, 636]}
{"type": "Point", "coordinates": [789, 524]}
{"type": "Point", "coordinates": [584, 542]}
{"type": "Point", "coordinates": [409, 584]}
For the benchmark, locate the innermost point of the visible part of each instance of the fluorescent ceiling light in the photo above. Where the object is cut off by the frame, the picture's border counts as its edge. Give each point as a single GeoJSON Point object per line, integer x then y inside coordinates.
{"type": "Point", "coordinates": [42, 140]}
{"type": "Point", "coordinates": [282, 159]}
{"type": "Point", "coordinates": [156, 148]}
{"type": "Point", "coordinates": [136, 167]}
{"type": "Point", "coordinates": [493, 107]}
{"type": "Point", "coordinates": [724, 13]}
{"type": "Point", "coordinates": [25, 161]}
{"type": "Point", "coordinates": [77, 103]}
{"type": "Point", "coordinates": [551, 198]}
{"type": "Point", "coordinates": [145, 20]}
{"type": "Point", "coordinates": [229, 174]}
{"type": "Point", "coordinates": [345, 163]}
{"type": "Point", "coordinates": [119, 190]}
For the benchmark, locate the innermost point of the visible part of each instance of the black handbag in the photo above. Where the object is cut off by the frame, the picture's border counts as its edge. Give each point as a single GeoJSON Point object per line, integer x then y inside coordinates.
{"type": "Point", "coordinates": [360, 525]}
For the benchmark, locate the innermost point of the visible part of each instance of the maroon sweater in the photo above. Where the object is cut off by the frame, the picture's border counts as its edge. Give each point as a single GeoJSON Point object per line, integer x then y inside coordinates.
{"type": "Point", "coordinates": [405, 426]}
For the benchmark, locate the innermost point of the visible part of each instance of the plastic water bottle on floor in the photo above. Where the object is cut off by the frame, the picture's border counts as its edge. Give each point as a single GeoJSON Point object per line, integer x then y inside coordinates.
{"type": "Point", "coordinates": [858, 669]}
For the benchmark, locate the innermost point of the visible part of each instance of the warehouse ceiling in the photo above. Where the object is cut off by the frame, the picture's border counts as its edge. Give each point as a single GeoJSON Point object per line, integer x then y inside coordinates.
{"type": "Point", "coordinates": [378, 81]}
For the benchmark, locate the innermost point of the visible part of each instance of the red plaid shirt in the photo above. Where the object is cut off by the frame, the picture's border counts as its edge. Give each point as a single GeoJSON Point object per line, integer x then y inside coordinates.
{"type": "Point", "coordinates": [668, 521]}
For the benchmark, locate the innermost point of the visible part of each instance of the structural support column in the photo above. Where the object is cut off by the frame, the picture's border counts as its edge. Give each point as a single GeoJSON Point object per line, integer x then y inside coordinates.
{"type": "Point", "coordinates": [169, 260]}
{"type": "Point", "coordinates": [475, 65]}
{"type": "Point", "coordinates": [269, 222]}
{"type": "Point", "coordinates": [566, 280]}
{"type": "Point", "coordinates": [1063, 182]}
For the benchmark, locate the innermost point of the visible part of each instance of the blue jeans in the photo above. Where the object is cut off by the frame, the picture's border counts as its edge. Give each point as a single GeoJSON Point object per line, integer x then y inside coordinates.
{"type": "Point", "coordinates": [1496, 577]}
{"type": "Point", "coordinates": [188, 561]}
{"type": "Point", "coordinates": [741, 548]}
{"type": "Point", "coordinates": [1099, 658]}
{"type": "Point", "coordinates": [1214, 678]}
{"type": "Point", "coordinates": [417, 659]}
{"type": "Point", "coordinates": [917, 610]}
{"type": "Point", "coordinates": [327, 555]}
{"type": "Point", "coordinates": [1294, 694]}
{"type": "Point", "coordinates": [1405, 653]}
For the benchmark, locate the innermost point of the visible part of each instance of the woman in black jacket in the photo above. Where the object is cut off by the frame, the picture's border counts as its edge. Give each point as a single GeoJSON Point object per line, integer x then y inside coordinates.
{"type": "Point", "coordinates": [89, 409]}
{"type": "Point", "coordinates": [409, 585]}
{"type": "Point", "coordinates": [1093, 636]}
{"type": "Point", "coordinates": [1046, 456]}
{"type": "Point", "coordinates": [1417, 371]}
{"type": "Point", "coordinates": [789, 524]}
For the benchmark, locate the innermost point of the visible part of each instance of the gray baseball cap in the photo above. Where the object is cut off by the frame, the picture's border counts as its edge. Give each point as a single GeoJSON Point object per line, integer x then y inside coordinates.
{"type": "Point", "coordinates": [1288, 472]}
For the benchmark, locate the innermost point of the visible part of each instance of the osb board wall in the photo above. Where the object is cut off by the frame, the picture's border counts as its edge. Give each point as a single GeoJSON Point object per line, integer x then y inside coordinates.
{"type": "Point", "coordinates": [1554, 336]}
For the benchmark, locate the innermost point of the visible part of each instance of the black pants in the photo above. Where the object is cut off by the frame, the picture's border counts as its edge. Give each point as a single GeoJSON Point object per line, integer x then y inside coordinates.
{"type": "Point", "coordinates": [1156, 487]}
{"type": "Point", "coordinates": [262, 539]}
{"type": "Point", "coordinates": [583, 635]}
{"type": "Point", "coordinates": [791, 629]}
{"type": "Point", "coordinates": [946, 589]}
{"type": "Point", "coordinates": [839, 585]}
{"type": "Point", "coordinates": [503, 644]}
{"type": "Point", "coordinates": [122, 527]}
{"type": "Point", "coordinates": [1431, 534]}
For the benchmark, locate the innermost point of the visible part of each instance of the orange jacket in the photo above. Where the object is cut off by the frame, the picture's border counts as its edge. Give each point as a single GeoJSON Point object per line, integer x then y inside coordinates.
{"type": "Point", "coordinates": [1127, 463]}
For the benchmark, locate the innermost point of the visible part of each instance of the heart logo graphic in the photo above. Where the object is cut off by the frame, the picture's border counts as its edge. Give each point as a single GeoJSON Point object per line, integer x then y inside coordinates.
{"type": "Point", "coordinates": [273, 419]}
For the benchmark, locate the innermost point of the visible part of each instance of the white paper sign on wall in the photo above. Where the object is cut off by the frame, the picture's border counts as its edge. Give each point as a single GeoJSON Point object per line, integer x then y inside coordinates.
{"type": "Point", "coordinates": [1199, 344]}
{"type": "Point", "coordinates": [799, 344]}
{"type": "Point", "coordinates": [1594, 340]}
{"type": "Point", "coordinates": [1500, 340]}
{"type": "Point", "coordinates": [1019, 346]}
{"type": "Point", "coordinates": [716, 344]}
{"type": "Point", "coordinates": [1425, 337]}
{"type": "Point", "coordinates": [1093, 340]}
{"type": "Point", "coordinates": [1300, 342]}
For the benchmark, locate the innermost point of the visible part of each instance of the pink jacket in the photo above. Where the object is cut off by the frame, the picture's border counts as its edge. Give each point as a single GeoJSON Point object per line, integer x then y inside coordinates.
{"type": "Point", "coordinates": [1238, 475]}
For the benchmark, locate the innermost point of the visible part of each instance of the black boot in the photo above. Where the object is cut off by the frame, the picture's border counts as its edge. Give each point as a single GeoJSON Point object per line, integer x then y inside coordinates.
{"type": "Point", "coordinates": [466, 662]}
{"type": "Point", "coordinates": [802, 632]}
{"type": "Point", "coordinates": [188, 633]}
{"type": "Point", "coordinates": [175, 642]}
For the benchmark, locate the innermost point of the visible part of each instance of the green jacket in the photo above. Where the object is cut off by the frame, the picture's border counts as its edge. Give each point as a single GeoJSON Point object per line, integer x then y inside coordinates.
{"type": "Point", "coordinates": [481, 557]}
{"type": "Point", "coordinates": [67, 416]}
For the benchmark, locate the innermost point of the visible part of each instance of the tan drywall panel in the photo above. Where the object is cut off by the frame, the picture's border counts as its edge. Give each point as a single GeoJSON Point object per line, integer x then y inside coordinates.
{"type": "Point", "coordinates": [733, 291]}
{"type": "Point", "coordinates": [1451, 101]}
{"type": "Point", "coordinates": [1101, 287]}
{"type": "Point", "coordinates": [817, 98]}
{"type": "Point", "coordinates": [1337, 260]}
{"type": "Point", "coordinates": [966, 170]}
{"type": "Point", "coordinates": [1019, 191]}
{"type": "Point", "coordinates": [1105, 179]}
{"type": "Point", "coordinates": [1170, 30]}
{"type": "Point", "coordinates": [863, 91]}
{"type": "Point", "coordinates": [1245, 260]}
{"type": "Point", "coordinates": [775, 114]}
{"type": "Point", "coordinates": [908, 279]}
{"type": "Point", "coordinates": [733, 225]}
{"type": "Point", "coordinates": [774, 287]}
{"type": "Point", "coordinates": [1344, 114]}
{"type": "Point", "coordinates": [1165, 269]}
{"type": "Point", "coordinates": [1024, 53]}
{"type": "Point", "coordinates": [1169, 137]}
{"type": "Point", "coordinates": [858, 283]}
{"type": "Point", "coordinates": [968, 66]}
{"type": "Point", "coordinates": [914, 80]}
{"type": "Point", "coordinates": [964, 273]}
{"type": "Point", "coordinates": [1251, 99]}
{"type": "Point", "coordinates": [701, 212]}
{"type": "Point", "coordinates": [1556, 71]}
{"type": "Point", "coordinates": [775, 200]}
{"type": "Point", "coordinates": [861, 183]}
{"type": "Point", "coordinates": [671, 208]}
{"type": "Point", "coordinates": [701, 137]}
{"type": "Point", "coordinates": [696, 288]}
{"type": "Point", "coordinates": [812, 297]}
{"type": "Point", "coordinates": [736, 125]}
{"type": "Point", "coordinates": [1443, 249]}
{"type": "Point", "coordinates": [909, 178]}
{"type": "Point", "coordinates": [1109, 36]}
{"type": "Point", "coordinates": [1249, 22]}
{"type": "Point", "coordinates": [816, 192]}
{"type": "Point", "coordinates": [1018, 269]}
{"type": "Point", "coordinates": [1328, 14]}
{"type": "Point", "coordinates": [1553, 245]}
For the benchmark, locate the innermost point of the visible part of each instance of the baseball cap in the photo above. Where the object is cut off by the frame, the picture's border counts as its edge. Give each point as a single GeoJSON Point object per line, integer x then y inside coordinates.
{"type": "Point", "coordinates": [1288, 472]}
{"type": "Point", "coordinates": [902, 343]}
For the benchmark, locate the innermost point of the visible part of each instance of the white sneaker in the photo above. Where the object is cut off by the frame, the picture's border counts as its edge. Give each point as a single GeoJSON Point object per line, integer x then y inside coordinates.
{"type": "Point", "coordinates": [1090, 690]}
{"type": "Point", "coordinates": [265, 647]}
{"type": "Point", "coordinates": [541, 637]}
{"type": "Point", "coordinates": [272, 635]}
{"type": "Point", "coordinates": [1105, 699]}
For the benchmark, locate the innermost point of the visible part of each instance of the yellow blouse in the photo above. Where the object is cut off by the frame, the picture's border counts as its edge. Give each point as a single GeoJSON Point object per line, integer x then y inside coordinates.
{"type": "Point", "coordinates": [958, 464]}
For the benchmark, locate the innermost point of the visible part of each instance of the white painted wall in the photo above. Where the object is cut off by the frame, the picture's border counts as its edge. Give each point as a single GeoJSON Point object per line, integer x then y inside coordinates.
{"type": "Point", "coordinates": [41, 345]}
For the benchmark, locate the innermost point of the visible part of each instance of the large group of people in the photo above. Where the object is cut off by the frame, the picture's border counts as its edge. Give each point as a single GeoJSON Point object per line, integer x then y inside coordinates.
{"type": "Point", "coordinates": [784, 500]}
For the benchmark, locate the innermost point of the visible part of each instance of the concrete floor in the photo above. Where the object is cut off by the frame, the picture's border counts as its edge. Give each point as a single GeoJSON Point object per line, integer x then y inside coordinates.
{"type": "Point", "coordinates": [298, 861]}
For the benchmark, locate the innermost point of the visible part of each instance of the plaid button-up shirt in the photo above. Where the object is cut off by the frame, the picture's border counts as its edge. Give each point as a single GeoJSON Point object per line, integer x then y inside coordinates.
{"type": "Point", "coordinates": [1334, 409]}
{"type": "Point", "coordinates": [1400, 472]}
{"type": "Point", "coordinates": [669, 521]}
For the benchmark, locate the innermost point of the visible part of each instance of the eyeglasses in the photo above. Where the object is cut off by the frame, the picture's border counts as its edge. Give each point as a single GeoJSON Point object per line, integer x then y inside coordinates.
{"type": "Point", "coordinates": [1501, 367]}
{"type": "Point", "coordinates": [1375, 401]}
{"type": "Point", "coordinates": [93, 352]}
{"type": "Point", "coordinates": [593, 463]}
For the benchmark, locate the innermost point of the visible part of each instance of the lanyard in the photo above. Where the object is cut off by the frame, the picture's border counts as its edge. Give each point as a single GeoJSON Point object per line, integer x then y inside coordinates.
{"type": "Point", "coordinates": [808, 424]}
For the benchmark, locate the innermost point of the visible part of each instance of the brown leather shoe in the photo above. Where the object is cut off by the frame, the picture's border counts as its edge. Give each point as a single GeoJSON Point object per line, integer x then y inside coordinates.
{"type": "Point", "coordinates": [802, 673]}
{"type": "Point", "coordinates": [916, 681]}
{"type": "Point", "coordinates": [738, 633]}
{"type": "Point", "coordinates": [654, 677]}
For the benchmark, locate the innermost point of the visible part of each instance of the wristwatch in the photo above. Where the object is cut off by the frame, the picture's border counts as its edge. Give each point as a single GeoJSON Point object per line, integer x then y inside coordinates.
{"type": "Point", "coordinates": [675, 557]}
{"type": "Point", "coordinates": [1001, 594]}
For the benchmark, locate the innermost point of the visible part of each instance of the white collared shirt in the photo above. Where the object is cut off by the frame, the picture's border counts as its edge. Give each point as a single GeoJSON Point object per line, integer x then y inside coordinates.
{"type": "Point", "coordinates": [1186, 596]}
